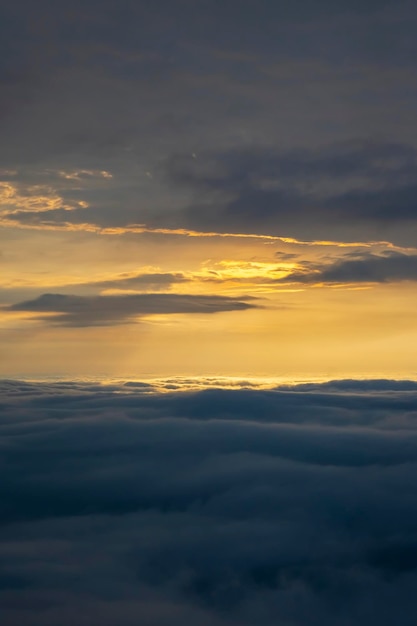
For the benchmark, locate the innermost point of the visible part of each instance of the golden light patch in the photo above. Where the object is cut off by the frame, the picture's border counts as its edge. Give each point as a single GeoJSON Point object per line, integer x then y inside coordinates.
{"type": "Point", "coordinates": [80, 174]}
{"type": "Point", "coordinates": [33, 199]}
{"type": "Point", "coordinates": [247, 271]}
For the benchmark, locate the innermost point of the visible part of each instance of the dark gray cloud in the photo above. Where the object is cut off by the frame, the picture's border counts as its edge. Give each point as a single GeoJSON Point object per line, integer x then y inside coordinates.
{"type": "Point", "coordinates": [260, 86]}
{"type": "Point", "coordinates": [74, 310]}
{"type": "Point", "coordinates": [120, 32]}
{"type": "Point", "coordinates": [294, 505]}
{"type": "Point", "coordinates": [368, 268]}
{"type": "Point", "coordinates": [357, 188]}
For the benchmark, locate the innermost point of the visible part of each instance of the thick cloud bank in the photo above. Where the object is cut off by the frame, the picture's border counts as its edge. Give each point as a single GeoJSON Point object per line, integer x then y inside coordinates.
{"type": "Point", "coordinates": [125, 505]}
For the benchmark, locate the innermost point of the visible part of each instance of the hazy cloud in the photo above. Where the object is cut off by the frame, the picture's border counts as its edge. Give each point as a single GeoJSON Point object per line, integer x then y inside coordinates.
{"type": "Point", "coordinates": [140, 281]}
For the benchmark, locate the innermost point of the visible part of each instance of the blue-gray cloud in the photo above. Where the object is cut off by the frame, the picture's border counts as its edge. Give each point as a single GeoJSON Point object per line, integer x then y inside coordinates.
{"type": "Point", "coordinates": [72, 310]}
{"type": "Point", "coordinates": [368, 268]}
{"type": "Point", "coordinates": [294, 505]}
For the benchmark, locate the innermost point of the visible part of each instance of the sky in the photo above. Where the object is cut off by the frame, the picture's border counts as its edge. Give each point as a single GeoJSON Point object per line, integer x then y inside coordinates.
{"type": "Point", "coordinates": [206, 188]}
{"type": "Point", "coordinates": [208, 271]}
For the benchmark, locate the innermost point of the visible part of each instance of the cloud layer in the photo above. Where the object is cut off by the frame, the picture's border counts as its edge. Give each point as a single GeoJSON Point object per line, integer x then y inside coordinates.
{"type": "Point", "coordinates": [226, 506]}
{"type": "Point", "coordinates": [250, 118]}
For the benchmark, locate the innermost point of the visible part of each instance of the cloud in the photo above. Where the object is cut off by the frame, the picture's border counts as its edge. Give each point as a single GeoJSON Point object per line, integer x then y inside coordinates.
{"type": "Point", "coordinates": [223, 506]}
{"type": "Point", "coordinates": [35, 199]}
{"type": "Point", "coordinates": [368, 268]}
{"type": "Point", "coordinates": [99, 310]}
{"type": "Point", "coordinates": [354, 186]}
{"type": "Point", "coordinates": [347, 191]}
{"type": "Point", "coordinates": [142, 280]}
{"type": "Point", "coordinates": [265, 94]}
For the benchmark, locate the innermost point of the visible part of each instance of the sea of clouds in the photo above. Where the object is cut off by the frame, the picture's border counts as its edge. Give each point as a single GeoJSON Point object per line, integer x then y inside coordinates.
{"type": "Point", "coordinates": [134, 504]}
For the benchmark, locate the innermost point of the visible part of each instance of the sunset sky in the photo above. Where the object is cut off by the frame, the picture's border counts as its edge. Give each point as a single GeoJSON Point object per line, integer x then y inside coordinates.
{"type": "Point", "coordinates": [199, 188]}
{"type": "Point", "coordinates": [208, 329]}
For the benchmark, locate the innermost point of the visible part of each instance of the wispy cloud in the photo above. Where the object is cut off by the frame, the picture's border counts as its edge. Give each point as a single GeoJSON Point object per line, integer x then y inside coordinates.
{"type": "Point", "coordinates": [32, 200]}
